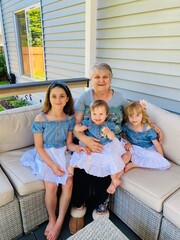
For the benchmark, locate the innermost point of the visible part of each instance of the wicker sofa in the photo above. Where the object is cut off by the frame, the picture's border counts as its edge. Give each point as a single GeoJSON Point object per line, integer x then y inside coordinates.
{"type": "Point", "coordinates": [22, 206]}
{"type": "Point", "coordinates": [147, 201]}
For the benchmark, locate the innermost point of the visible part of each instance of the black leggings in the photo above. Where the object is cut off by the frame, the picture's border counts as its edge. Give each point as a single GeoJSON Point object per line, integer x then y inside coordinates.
{"type": "Point", "coordinates": [83, 183]}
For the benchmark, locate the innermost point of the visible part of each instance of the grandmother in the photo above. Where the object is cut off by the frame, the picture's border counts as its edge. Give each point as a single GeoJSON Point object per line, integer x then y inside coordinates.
{"type": "Point", "coordinates": [101, 75]}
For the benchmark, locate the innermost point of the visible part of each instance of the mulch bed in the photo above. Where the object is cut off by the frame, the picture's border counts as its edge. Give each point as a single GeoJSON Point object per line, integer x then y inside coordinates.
{"type": "Point", "coordinates": [6, 104]}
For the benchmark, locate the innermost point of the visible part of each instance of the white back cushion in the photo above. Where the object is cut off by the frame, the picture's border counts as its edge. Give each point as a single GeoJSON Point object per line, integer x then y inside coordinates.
{"type": "Point", "coordinates": [15, 127]}
{"type": "Point", "coordinates": [170, 126]}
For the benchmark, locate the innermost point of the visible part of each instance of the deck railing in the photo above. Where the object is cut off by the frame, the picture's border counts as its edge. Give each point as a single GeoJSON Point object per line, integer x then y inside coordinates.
{"type": "Point", "coordinates": [35, 87]}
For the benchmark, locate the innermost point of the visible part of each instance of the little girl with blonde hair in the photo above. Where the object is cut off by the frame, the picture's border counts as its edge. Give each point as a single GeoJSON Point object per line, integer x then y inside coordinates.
{"type": "Point", "coordinates": [141, 139]}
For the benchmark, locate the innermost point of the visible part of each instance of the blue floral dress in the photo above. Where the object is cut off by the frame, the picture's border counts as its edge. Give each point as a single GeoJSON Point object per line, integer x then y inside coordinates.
{"type": "Point", "coordinates": [54, 141]}
{"type": "Point", "coordinates": [105, 163]}
{"type": "Point", "coordinates": [143, 151]}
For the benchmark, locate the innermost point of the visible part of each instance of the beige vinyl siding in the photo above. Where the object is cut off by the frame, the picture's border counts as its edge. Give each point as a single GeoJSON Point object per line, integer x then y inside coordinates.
{"type": "Point", "coordinates": [64, 38]}
{"type": "Point", "coordinates": [141, 41]}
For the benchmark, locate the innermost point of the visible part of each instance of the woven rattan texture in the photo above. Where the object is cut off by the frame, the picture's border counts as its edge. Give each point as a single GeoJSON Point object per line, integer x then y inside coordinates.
{"type": "Point", "coordinates": [33, 210]}
{"type": "Point", "coordinates": [144, 221]}
{"type": "Point", "coordinates": [100, 229]}
{"type": "Point", "coordinates": [10, 221]}
{"type": "Point", "coordinates": [169, 231]}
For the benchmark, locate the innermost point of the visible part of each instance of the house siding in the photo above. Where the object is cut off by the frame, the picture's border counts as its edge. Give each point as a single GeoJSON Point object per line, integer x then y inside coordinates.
{"type": "Point", "coordinates": [140, 40]}
{"type": "Point", "coordinates": [64, 38]}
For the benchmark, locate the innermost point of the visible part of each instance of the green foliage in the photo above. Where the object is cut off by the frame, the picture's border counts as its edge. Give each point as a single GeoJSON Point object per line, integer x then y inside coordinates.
{"type": "Point", "coordinates": [19, 103]}
{"type": "Point", "coordinates": [3, 69]}
{"type": "Point", "coordinates": [1, 108]}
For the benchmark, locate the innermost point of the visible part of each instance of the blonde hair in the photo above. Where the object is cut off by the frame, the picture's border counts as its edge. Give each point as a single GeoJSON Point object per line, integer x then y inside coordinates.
{"type": "Point", "coordinates": [99, 103]}
{"type": "Point", "coordinates": [136, 106]}
{"type": "Point", "coordinates": [101, 66]}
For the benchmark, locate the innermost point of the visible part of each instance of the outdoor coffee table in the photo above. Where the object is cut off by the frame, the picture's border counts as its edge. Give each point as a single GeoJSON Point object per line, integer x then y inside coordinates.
{"type": "Point", "coordinates": [100, 229]}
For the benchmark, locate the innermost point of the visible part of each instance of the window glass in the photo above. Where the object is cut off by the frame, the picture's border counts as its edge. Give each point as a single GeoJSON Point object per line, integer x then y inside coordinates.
{"type": "Point", "coordinates": [31, 43]}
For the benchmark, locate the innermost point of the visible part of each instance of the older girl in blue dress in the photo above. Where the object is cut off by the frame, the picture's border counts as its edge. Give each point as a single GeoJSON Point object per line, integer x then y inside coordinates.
{"type": "Point", "coordinates": [141, 139]}
{"type": "Point", "coordinates": [52, 130]}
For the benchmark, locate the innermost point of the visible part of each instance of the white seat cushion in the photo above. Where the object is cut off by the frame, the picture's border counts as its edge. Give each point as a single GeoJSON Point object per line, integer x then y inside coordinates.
{"type": "Point", "coordinates": [152, 186]}
{"type": "Point", "coordinates": [171, 209]}
{"type": "Point", "coordinates": [21, 177]}
{"type": "Point", "coordinates": [6, 190]}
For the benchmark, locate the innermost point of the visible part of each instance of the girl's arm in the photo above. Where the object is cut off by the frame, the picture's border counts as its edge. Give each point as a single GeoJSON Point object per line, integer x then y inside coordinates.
{"type": "Point", "coordinates": [80, 128]}
{"type": "Point", "coordinates": [38, 141]}
{"type": "Point", "coordinates": [157, 146]}
{"type": "Point", "coordinates": [128, 144]}
{"type": "Point", "coordinates": [159, 132]}
{"type": "Point", "coordinates": [74, 147]}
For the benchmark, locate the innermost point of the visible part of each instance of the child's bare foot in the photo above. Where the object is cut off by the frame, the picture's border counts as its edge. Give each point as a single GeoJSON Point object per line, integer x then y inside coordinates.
{"type": "Point", "coordinates": [49, 227]}
{"type": "Point", "coordinates": [54, 232]}
{"type": "Point", "coordinates": [126, 157]}
{"type": "Point", "coordinates": [111, 189]}
{"type": "Point", "coordinates": [130, 166]}
{"type": "Point", "coordinates": [116, 182]}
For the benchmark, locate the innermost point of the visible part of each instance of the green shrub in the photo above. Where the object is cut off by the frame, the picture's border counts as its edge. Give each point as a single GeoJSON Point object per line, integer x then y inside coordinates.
{"type": "Point", "coordinates": [3, 69]}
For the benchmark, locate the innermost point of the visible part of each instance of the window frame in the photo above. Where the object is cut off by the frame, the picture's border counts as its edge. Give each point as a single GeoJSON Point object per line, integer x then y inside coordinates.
{"type": "Point", "coordinates": [18, 41]}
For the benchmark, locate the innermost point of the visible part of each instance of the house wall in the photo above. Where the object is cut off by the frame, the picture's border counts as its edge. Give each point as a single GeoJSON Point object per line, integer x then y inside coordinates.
{"type": "Point", "coordinates": [141, 42]}
{"type": "Point", "coordinates": [139, 39]}
{"type": "Point", "coordinates": [64, 38]}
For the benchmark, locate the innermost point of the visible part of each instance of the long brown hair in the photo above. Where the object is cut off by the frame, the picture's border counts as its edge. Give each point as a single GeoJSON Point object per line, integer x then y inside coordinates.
{"type": "Point", "coordinates": [68, 108]}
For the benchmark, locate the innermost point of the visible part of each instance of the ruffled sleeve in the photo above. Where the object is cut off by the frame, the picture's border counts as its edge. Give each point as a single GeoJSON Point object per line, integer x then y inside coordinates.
{"type": "Point", "coordinates": [152, 134]}
{"type": "Point", "coordinates": [85, 122]}
{"type": "Point", "coordinates": [37, 127]}
{"type": "Point", "coordinates": [71, 124]}
{"type": "Point", "coordinates": [124, 128]}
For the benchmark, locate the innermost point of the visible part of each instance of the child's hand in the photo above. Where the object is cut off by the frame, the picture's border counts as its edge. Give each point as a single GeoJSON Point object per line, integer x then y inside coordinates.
{"type": "Point", "coordinates": [80, 128]}
{"type": "Point", "coordinates": [127, 146]}
{"type": "Point", "coordinates": [57, 170]}
{"type": "Point", "coordinates": [104, 131]}
{"type": "Point", "coordinates": [83, 148]}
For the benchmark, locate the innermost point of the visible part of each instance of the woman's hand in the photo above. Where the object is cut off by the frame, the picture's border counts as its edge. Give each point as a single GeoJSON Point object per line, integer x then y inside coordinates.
{"type": "Point", "coordinates": [57, 170]}
{"type": "Point", "coordinates": [93, 144]}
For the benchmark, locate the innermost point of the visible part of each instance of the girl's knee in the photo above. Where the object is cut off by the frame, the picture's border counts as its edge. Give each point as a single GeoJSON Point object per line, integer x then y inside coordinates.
{"type": "Point", "coordinates": [51, 187]}
{"type": "Point", "coordinates": [69, 183]}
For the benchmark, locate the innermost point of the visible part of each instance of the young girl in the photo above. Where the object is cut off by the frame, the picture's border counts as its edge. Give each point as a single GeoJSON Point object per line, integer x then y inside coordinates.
{"type": "Point", "coordinates": [109, 160]}
{"type": "Point", "coordinates": [141, 139]}
{"type": "Point", "coordinates": [52, 130]}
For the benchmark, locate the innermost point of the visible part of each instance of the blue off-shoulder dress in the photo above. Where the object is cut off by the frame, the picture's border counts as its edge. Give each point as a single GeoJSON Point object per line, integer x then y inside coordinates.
{"type": "Point", "coordinates": [143, 151]}
{"type": "Point", "coordinates": [54, 142]}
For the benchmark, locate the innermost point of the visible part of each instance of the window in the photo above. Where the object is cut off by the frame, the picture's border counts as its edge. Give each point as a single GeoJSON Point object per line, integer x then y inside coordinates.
{"type": "Point", "coordinates": [29, 30]}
